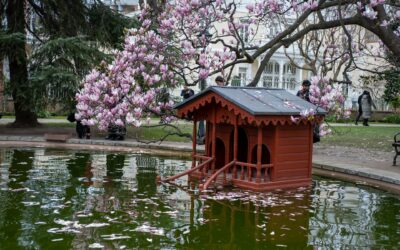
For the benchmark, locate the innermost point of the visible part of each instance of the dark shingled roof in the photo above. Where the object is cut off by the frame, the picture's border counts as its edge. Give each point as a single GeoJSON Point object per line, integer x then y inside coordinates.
{"type": "Point", "coordinates": [259, 101]}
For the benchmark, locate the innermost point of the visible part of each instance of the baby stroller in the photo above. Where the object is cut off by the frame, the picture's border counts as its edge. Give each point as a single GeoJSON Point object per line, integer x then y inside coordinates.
{"type": "Point", "coordinates": [116, 133]}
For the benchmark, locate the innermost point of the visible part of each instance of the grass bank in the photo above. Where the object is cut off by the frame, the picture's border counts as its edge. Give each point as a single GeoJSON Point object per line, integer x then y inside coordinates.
{"type": "Point", "coordinates": [374, 138]}
{"type": "Point", "coordinates": [145, 133]}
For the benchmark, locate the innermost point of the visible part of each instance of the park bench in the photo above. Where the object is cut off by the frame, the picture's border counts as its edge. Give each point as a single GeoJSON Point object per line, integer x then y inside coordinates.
{"type": "Point", "coordinates": [396, 145]}
{"type": "Point", "coordinates": [57, 137]}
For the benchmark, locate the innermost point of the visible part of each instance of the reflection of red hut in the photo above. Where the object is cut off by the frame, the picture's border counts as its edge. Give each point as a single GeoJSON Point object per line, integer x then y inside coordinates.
{"type": "Point", "coordinates": [251, 141]}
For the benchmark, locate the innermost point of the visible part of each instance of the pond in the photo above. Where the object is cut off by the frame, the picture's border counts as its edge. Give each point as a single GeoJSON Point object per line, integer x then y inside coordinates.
{"type": "Point", "coordinates": [57, 199]}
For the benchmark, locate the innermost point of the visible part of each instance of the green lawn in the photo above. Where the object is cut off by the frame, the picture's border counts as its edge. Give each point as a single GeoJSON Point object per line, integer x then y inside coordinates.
{"type": "Point", "coordinates": [378, 138]}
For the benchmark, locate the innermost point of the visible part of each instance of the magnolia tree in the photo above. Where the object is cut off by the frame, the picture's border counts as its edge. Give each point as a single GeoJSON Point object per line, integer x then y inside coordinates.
{"type": "Point", "coordinates": [170, 48]}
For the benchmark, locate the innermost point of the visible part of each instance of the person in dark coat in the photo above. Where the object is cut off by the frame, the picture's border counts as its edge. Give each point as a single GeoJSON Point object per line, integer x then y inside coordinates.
{"type": "Point", "coordinates": [365, 105]}
{"type": "Point", "coordinates": [83, 131]}
{"type": "Point", "coordinates": [359, 107]}
{"type": "Point", "coordinates": [304, 92]}
{"type": "Point", "coordinates": [186, 92]}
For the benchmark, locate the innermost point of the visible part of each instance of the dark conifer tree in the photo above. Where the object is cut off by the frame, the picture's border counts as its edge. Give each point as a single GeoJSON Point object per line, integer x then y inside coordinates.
{"type": "Point", "coordinates": [50, 46]}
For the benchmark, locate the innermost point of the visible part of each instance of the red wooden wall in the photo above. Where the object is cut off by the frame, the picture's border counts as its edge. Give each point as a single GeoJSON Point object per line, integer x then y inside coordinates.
{"type": "Point", "coordinates": [293, 152]}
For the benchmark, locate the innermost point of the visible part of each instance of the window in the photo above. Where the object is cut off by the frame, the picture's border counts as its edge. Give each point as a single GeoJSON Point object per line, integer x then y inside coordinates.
{"type": "Point", "coordinates": [273, 30]}
{"type": "Point", "coordinates": [243, 76]}
{"type": "Point", "coordinates": [289, 76]}
{"type": "Point", "coordinates": [270, 77]}
{"type": "Point", "coordinates": [244, 31]}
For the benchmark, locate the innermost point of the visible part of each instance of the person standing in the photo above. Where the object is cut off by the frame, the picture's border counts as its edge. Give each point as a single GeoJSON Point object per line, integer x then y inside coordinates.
{"type": "Point", "coordinates": [359, 107]}
{"type": "Point", "coordinates": [186, 92]}
{"type": "Point", "coordinates": [83, 131]}
{"type": "Point", "coordinates": [366, 107]}
{"type": "Point", "coordinates": [304, 92]}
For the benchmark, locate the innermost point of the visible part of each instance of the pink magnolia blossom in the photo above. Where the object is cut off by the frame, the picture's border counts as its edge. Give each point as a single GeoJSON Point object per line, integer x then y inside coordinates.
{"type": "Point", "coordinates": [311, 5]}
{"type": "Point", "coordinates": [250, 7]}
{"type": "Point", "coordinates": [324, 130]}
{"type": "Point", "coordinates": [203, 73]}
{"type": "Point", "coordinates": [324, 95]}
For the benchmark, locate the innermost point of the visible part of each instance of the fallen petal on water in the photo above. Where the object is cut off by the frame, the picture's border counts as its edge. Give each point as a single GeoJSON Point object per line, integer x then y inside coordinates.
{"type": "Point", "coordinates": [30, 203]}
{"type": "Point", "coordinates": [59, 239]}
{"type": "Point", "coordinates": [20, 189]}
{"type": "Point", "coordinates": [115, 237]}
{"type": "Point", "coordinates": [149, 229]}
{"type": "Point", "coordinates": [96, 225]}
{"type": "Point", "coordinates": [96, 245]}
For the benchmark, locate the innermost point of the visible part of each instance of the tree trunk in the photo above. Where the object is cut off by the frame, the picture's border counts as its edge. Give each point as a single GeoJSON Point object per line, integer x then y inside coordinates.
{"type": "Point", "coordinates": [156, 6]}
{"type": "Point", "coordinates": [18, 64]}
{"type": "Point", "coordinates": [1, 86]}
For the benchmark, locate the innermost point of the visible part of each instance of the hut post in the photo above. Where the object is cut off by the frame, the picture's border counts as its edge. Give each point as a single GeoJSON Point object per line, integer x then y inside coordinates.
{"type": "Point", "coordinates": [310, 152]}
{"type": "Point", "coordinates": [259, 151]}
{"type": "Point", "coordinates": [274, 154]}
{"type": "Point", "coordinates": [214, 138]}
{"type": "Point", "coordinates": [194, 141]}
{"type": "Point", "coordinates": [207, 140]}
{"type": "Point", "coordinates": [235, 146]}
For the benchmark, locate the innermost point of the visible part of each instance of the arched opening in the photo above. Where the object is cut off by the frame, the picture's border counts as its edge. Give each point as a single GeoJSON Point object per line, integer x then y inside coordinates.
{"type": "Point", "coordinates": [242, 145]}
{"type": "Point", "coordinates": [219, 153]}
{"type": "Point", "coordinates": [265, 155]}
{"type": "Point", "coordinates": [265, 159]}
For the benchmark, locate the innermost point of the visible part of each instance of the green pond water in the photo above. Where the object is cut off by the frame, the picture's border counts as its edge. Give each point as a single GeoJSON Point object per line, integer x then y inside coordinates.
{"type": "Point", "coordinates": [57, 199]}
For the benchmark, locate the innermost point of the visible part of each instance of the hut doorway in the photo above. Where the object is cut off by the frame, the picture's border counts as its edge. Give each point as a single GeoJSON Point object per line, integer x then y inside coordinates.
{"type": "Point", "coordinates": [219, 153]}
{"type": "Point", "coordinates": [242, 155]}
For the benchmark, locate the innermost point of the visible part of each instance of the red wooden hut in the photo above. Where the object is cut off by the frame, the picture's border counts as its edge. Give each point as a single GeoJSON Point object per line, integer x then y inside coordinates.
{"type": "Point", "coordinates": [251, 141]}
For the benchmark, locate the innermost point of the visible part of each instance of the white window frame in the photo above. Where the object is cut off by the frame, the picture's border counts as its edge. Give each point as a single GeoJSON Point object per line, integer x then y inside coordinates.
{"type": "Point", "coordinates": [243, 74]}
{"type": "Point", "coordinates": [289, 76]}
{"type": "Point", "coordinates": [270, 77]}
{"type": "Point", "coordinates": [244, 32]}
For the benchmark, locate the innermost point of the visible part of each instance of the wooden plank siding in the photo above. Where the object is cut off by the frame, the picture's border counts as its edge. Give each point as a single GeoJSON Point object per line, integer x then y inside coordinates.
{"type": "Point", "coordinates": [292, 152]}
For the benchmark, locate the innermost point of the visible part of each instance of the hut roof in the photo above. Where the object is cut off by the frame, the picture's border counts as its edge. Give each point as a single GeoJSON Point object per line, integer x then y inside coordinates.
{"type": "Point", "coordinates": [259, 101]}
